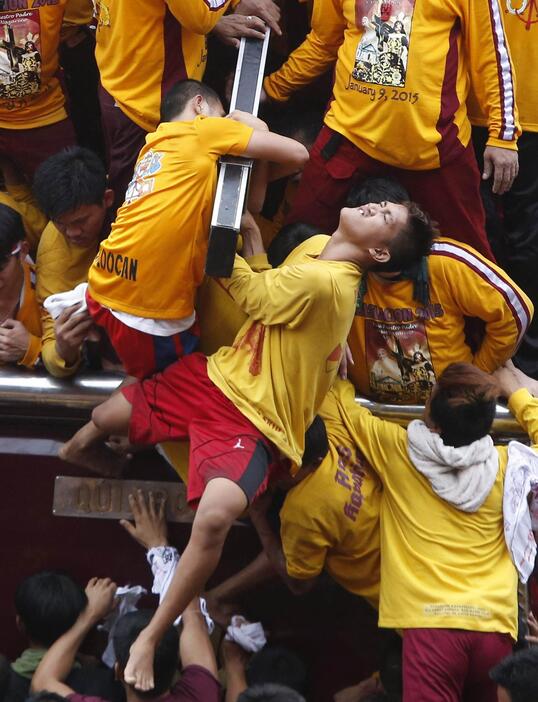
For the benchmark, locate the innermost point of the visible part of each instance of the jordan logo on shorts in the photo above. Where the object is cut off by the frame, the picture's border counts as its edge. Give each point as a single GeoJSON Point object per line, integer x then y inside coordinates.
{"type": "Point", "coordinates": [239, 444]}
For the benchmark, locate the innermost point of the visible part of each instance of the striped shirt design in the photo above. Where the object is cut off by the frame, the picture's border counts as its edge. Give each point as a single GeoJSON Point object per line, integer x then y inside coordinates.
{"type": "Point", "coordinates": [485, 270]}
{"type": "Point", "coordinates": [506, 82]}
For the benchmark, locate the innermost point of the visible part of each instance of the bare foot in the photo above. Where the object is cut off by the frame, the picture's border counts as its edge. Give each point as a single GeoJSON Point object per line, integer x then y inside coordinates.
{"type": "Point", "coordinates": [220, 612]}
{"type": "Point", "coordinates": [526, 381]}
{"type": "Point", "coordinates": [97, 457]}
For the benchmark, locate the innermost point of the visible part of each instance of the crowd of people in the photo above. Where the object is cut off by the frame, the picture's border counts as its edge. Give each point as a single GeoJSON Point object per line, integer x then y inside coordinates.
{"type": "Point", "coordinates": [387, 250]}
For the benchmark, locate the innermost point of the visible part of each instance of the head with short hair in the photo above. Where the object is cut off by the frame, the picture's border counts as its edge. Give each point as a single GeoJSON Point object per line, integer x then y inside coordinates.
{"type": "Point", "coordinates": [166, 659]}
{"type": "Point", "coordinates": [47, 605]}
{"type": "Point", "coordinates": [377, 190]}
{"type": "Point", "coordinates": [517, 677]}
{"type": "Point", "coordinates": [277, 665]}
{"type": "Point", "coordinates": [288, 238]}
{"type": "Point", "coordinates": [386, 236]}
{"type": "Point", "coordinates": [71, 189]}
{"type": "Point", "coordinates": [268, 692]}
{"type": "Point", "coordinates": [188, 98]}
{"type": "Point", "coordinates": [462, 405]}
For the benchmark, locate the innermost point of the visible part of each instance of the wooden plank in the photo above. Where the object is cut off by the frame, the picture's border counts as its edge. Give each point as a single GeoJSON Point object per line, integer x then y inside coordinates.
{"type": "Point", "coordinates": [103, 498]}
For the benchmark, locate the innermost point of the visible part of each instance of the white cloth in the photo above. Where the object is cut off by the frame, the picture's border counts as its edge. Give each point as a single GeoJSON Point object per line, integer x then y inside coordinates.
{"type": "Point", "coordinates": [155, 327]}
{"type": "Point", "coordinates": [520, 481]}
{"type": "Point", "coordinates": [164, 561]}
{"type": "Point", "coordinates": [249, 635]}
{"type": "Point", "coordinates": [127, 600]}
{"type": "Point", "coordinates": [462, 476]}
{"type": "Point", "coordinates": [56, 304]}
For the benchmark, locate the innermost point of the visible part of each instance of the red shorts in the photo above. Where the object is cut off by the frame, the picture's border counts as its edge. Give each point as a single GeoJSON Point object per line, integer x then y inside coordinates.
{"type": "Point", "coordinates": [142, 354]}
{"type": "Point", "coordinates": [182, 403]}
{"type": "Point", "coordinates": [451, 665]}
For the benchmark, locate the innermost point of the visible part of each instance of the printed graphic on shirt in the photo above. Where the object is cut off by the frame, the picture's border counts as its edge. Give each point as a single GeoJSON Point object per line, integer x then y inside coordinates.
{"type": "Point", "coordinates": [526, 10]}
{"type": "Point", "coordinates": [143, 181]}
{"type": "Point", "coordinates": [20, 54]}
{"type": "Point", "coordinates": [383, 50]}
{"type": "Point", "coordinates": [399, 361]}
{"type": "Point", "coordinates": [350, 474]}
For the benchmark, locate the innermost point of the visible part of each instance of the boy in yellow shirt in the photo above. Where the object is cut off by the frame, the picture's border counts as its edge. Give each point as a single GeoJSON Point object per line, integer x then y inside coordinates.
{"type": "Point", "coordinates": [447, 578]}
{"type": "Point", "coordinates": [249, 403]}
{"type": "Point", "coordinates": [20, 323]}
{"type": "Point", "coordinates": [162, 228]}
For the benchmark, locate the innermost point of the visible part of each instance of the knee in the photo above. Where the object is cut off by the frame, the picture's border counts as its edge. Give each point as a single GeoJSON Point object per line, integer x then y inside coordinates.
{"type": "Point", "coordinates": [101, 416]}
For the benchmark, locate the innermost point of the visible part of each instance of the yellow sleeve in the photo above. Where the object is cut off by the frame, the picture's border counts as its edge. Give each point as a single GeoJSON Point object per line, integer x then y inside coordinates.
{"type": "Point", "coordinates": [524, 407]}
{"type": "Point", "coordinates": [278, 295]}
{"type": "Point", "coordinates": [259, 262]}
{"type": "Point", "coordinates": [314, 56]}
{"type": "Point", "coordinates": [198, 16]}
{"type": "Point", "coordinates": [305, 550]}
{"type": "Point", "coordinates": [52, 360]}
{"type": "Point", "coordinates": [482, 289]}
{"type": "Point", "coordinates": [220, 136]}
{"type": "Point", "coordinates": [31, 356]}
{"type": "Point", "coordinates": [33, 219]}
{"type": "Point", "coordinates": [491, 71]}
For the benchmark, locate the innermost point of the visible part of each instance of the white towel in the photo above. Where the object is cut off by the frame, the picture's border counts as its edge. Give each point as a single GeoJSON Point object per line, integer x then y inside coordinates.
{"type": "Point", "coordinates": [249, 635]}
{"type": "Point", "coordinates": [127, 600]}
{"type": "Point", "coordinates": [520, 481]}
{"type": "Point", "coordinates": [56, 304]}
{"type": "Point", "coordinates": [164, 561]}
{"type": "Point", "coordinates": [462, 476]}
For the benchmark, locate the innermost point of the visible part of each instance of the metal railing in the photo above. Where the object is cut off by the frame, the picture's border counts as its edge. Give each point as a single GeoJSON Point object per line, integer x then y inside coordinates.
{"type": "Point", "coordinates": [31, 396]}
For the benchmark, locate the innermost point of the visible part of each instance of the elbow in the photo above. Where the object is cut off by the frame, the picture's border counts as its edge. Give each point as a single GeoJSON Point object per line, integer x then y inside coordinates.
{"type": "Point", "coordinates": [300, 156]}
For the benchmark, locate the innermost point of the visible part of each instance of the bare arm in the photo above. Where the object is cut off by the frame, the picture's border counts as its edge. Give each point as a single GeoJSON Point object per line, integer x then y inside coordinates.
{"type": "Point", "coordinates": [58, 660]}
{"type": "Point", "coordinates": [194, 644]}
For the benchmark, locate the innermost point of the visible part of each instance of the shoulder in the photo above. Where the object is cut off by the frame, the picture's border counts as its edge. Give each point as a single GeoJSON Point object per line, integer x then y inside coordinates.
{"type": "Point", "coordinates": [196, 683]}
{"type": "Point", "coordinates": [50, 239]}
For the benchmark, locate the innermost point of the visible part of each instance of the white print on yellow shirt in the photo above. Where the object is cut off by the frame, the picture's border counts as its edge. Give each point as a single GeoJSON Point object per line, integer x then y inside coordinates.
{"type": "Point", "coordinates": [143, 181]}
{"type": "Point", "coordinates": [459, 610]}
{"type": "Point", "coordinates": [20, 55]}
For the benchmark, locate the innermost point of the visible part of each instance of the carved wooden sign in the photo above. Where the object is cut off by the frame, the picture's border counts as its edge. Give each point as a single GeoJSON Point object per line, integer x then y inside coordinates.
{"type": "Point", "coordinates": [103, 498]}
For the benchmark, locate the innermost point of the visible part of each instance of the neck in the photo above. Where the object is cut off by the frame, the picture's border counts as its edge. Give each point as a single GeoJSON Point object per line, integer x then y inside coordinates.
{"type": "Point", "coordinates": [385, 277]}
{"type": "Point", "coordinates": [338, 248]}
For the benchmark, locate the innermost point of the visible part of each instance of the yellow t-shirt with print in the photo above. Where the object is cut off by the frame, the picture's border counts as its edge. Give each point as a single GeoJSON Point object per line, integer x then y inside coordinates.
{"type": "Point", "coordinates": [330, 520]}
{"type": "Point", "coordinates": [30, 92]}
{"type": "Point", "coordinates": [400, 346]}
{"type": "Point", "coordinates": [521, 24]}
{"type": "Point", "coordinates": [286, 355]}
{"type": "Point", "coordinates": [154, 258]}
{"type": "Point", "coordinates": [144, 48]}
{"type": "Point", "coordinates": [441, 567]}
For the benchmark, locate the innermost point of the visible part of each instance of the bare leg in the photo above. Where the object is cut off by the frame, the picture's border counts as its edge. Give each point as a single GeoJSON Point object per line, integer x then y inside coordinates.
{"type": "Point", "coordinates": [87, 447]}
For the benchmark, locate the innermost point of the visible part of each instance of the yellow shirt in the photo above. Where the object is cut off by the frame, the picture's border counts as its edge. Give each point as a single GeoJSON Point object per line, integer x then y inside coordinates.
{"type": "Point", "coordinates": [78, 12]}
{"type": "Point", "coordinates": [30, 93]}
{"type": "Point", "coordinates": [144, 47]}
{"type": "Point", "coordinates": [389, 101]}
{"type": "Point", "coordinates": [154, 258]}
{"type": "Point", "coordinates": [521, 23]}
{"type": "Point", "coordinates": [400, 347]}
{"type": "Point", "coordinates": [441, 567]}
{"type": "Point", "coordinates": [331, 518]}
{"type": "Point", "coordinates": [20, 199]}
{"type": "Point", "coordinates": [299, 317]}
{"type": "Point", "coordinates": [28, 314]}
{"type": "Point", "coordinates": [60, 266]}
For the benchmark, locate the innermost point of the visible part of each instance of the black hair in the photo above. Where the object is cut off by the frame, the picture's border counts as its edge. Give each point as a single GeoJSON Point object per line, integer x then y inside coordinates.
{"type": "Point", "coordinates": [11, 231]}
{"type": "Point", "coordinates": [376, 190]}
{"type": "Point", "coordinates": [166, 658]}
{"type": "Point", "coordinates": [71, 178]}
{"type": "Point", "coordinates": [299, 124]}
{"type": "Point", "coordinates": [176, 99]}
{"type": "Point", "coordinates": [287, 239]}
{"type": "Point", "coordinates": [48, 605]}
{"type": "Point", "coordinates": [316, 445]}
{"type": "Point", "coordinates": [277, 665]}
{"type": "Point", "coordinates": [46, 696]}
{"type": "Point", "coordinates": [412, 242]}
{"type": "Point", "coordinates": [518, 675]}
{"type": "Point", "coordinates": [463, 404]}
{"type": "Point", "coordinates": [268, 692]}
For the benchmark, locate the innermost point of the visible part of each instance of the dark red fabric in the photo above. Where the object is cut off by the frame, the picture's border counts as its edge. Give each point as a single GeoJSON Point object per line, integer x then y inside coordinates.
{"type": "Point", "coordinates": [196, 683]}
{"type": "Point", "coordinates": [182, 403]}
{"type": "Point", "coordinates": [123, 141]}
{"type": "Point", "coordinates": [174, 68]}
{"type": "Point", "coordinates": [451, 665]}
{"type": "Point", "coordinates": [451, 194]}
{"type": "Point", "coordinates": [27, 148]}
{"type": "Point", "coordinates": [142, 354]}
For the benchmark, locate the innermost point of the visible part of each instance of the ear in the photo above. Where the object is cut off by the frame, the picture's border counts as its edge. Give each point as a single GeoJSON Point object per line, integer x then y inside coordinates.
{"type": "Point", "coordinates": [108, 198]}
{"type": "Point", "coordinates": [25, 248]}
{"type": "Point", "coordinates": [379, 254]}
{"type": "Point", "coordinates": [20, 625]}
{"type": "Point", "coordinates": [118, 672]}
{"type": "Point", "coordinates": [198, 104]}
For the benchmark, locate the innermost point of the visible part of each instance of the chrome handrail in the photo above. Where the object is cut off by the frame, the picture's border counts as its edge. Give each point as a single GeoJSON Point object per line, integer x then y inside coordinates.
{"type": "Point", "coordinates": [37, 394]}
